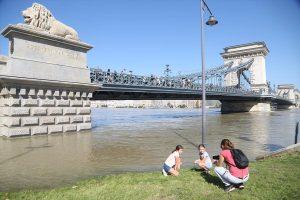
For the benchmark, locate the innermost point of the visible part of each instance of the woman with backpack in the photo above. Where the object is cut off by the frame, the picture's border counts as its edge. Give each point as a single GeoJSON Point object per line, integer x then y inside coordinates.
{"type": "Point", "coordinates": [237, 163]}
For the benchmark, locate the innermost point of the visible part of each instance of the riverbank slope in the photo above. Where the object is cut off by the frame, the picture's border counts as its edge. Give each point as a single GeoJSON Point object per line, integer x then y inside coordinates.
{"type": "Point", "coordinates": [271, 178]}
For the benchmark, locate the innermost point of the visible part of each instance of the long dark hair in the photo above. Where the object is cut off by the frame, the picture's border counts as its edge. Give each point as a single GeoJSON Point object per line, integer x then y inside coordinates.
{"type": "Point", "coordinates": [177, 148]}
{"type": "Point", "coordinates": [201, 145]}
{"type": "Point", "coordinates": [227, 144]}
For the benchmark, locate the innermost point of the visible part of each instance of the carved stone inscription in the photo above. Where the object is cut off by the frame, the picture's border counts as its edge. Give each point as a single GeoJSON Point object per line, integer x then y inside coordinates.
{"type": "Point", "coordinates": [45, 53]}
{"type": "Point", "coordinates": [55, 52]}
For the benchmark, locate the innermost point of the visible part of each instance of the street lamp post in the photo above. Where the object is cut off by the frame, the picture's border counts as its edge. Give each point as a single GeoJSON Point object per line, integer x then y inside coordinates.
{"type": "Point", "coordinates": [211, 21]}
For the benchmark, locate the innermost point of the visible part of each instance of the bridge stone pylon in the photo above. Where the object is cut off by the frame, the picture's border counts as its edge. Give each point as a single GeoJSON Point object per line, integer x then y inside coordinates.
{"type": "Point", "coordinates": [242, 53]}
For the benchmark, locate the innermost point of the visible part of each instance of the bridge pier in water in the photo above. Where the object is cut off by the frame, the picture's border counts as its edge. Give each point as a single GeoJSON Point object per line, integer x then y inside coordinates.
{"type": "Point", "coordinates": [244, 106]}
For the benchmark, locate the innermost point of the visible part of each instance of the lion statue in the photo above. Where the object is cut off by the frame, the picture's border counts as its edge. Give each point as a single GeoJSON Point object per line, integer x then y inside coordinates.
{"type": "Point", "coordinates": [39, 17]}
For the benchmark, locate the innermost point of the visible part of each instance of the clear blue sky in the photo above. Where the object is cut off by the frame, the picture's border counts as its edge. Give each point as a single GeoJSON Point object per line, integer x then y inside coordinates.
{"type": "Point", "coordinates": [144, 35]}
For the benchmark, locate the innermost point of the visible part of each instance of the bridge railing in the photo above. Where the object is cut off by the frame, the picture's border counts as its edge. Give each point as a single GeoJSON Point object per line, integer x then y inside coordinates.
{"type": "Point", "coordinates": [184, 83]}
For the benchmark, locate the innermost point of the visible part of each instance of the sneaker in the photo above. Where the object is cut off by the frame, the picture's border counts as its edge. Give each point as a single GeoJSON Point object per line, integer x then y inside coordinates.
{"type": "Point", "coordinates": [229, 188]}
{"type": "Point", "coordinates": [240, 186]}
{"type": "Point", "coordinates": [164, 172]}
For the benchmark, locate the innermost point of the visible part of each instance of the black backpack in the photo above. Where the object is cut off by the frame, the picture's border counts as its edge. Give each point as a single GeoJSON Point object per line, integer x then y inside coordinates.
{"type": "Point", "coordinates": [240, 159]}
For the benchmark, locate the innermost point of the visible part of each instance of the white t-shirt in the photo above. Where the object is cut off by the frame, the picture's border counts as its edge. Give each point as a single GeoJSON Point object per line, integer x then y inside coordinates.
{"type": "Point", "coordinates": [171, 159]}
{"type": "Point", "coordinates": [208, 160]}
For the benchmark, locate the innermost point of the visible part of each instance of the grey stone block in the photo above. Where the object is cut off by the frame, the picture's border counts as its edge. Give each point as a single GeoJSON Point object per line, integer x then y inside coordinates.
{"type": "Point", "coordinates": [76, 103]}
{"type": "Point", "coordinates": [61, 102]}
{"type": "Point", "coordinates": [47, 120]}
{"type": "Point", "coordinates": [11, 121]}
{"type": "Point", "coordinates": [4, 92]}
{"type": "Point", "coordinates": [71, 94]}
{"type": "Point", "coordinates": [76, 119]}
{"type": "Point", "coordinates": [84, 126]}
{"type": "Point", "coordinates": [55, 129]}
{"type": "Point", "coordinates": [86, 118]}
{"type": "Point", "coordinates": [40, 93]}
{"type": "Point", "coordinates": [62, 120]}
{"type": "Point", "coordinates": [84, 95]}
{"type": "Point", "coordinates": [29, 102]}
{"type": "Point", "coordinates": [29, 121]}
{"type": "Point", "coordinates": [48, 93]}
{"type": "Point", "coordinates": [77, 95]}
{"type": "Point", "coordinates": [23, 92]}
{"type": "Point", "coordinates": [47, 102]}
{"type": "Point", "coordinates": [37, 130]}
{"type": "Point", "coordinates": [87, 103]}
{"type": "Point", "coordinates": [12, 102]}
{"type": "Point", "coordinates": [69, 127]}
{"type": "Point", "coordinates": [83, 111]}
{"type": "Point", "coordinates": [69, 111]}
{"type": "Point", "coordinates": [13, 91]}
{"type": "Point", "coordinates": [64, 94]}
{"type": "Point", "coordinates": [56, 93]}
{"type": "Point", "coordinates": [19, 131]}
{"type": "Point", "coordinates": [54, 111]}
{"type": "Point", "coordinates": [16, 111]}
{"type": "Point", "coordinates": [38, 111]}
{"type": "Point", "coordinates": [31, 92]}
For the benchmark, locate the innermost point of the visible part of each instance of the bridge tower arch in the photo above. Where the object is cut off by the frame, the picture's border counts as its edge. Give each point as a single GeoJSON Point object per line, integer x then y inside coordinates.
{"type": "Point", "coordinates": [242, 53]}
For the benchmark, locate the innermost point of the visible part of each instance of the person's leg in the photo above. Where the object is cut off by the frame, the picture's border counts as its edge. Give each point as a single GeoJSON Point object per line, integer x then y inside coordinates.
{"type": "Point", "coordinates": [220, 171]}
{"type": "Point", "coordinates": [173, 172]}
{"type": "Point", "coordinates": [227, 178]}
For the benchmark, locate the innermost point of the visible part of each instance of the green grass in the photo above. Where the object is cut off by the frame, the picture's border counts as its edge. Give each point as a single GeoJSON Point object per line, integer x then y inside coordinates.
{"type": "Point", "coordinates": [273, 178]}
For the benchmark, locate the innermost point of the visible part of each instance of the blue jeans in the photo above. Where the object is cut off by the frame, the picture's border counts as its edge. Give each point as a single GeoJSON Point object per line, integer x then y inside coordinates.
{"type": "Point", "coordinates": [167, 168]}
{"type": "Point", "coordinates": [227, 178]}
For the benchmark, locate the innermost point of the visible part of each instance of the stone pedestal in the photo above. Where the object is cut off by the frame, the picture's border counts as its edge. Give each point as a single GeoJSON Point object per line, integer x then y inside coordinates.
{"type": "Point", "coordinates": [44, 84]}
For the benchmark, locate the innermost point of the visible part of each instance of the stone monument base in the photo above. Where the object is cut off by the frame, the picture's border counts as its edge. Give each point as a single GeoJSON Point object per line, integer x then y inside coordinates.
{"type": "Point", "coordinates": [34, 107]}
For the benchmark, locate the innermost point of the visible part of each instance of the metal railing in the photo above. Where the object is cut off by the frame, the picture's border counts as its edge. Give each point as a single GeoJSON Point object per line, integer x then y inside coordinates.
{"type": "Point", "coordinates": [128, 79]}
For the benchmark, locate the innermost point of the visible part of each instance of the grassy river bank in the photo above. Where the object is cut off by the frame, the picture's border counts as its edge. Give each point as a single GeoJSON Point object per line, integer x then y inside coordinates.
{"type": "Point", "coordinates": [272, 178]}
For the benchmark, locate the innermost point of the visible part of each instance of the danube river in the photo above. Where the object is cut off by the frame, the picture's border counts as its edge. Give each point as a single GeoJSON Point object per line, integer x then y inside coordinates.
{"type": "Point", "coordinates": [125, 140]}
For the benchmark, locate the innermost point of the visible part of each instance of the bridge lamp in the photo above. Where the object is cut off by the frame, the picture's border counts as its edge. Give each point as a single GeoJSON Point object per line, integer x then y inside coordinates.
{"type": "Point", "coordinates": [211, 22]}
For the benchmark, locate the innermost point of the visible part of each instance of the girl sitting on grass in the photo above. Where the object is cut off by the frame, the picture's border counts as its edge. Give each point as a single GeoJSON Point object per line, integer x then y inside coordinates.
{"type": "Point", "coordinates": [172, 164]}
{"type": "Point", "coordinates": [204, 162]}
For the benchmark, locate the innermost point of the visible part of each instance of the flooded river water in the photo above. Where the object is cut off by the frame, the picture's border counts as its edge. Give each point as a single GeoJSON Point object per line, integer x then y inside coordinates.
{"type": "Point", "coordinates": [125, 140]}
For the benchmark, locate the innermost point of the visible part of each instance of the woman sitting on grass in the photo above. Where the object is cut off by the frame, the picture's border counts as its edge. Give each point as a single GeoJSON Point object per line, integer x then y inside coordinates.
{"type": "Point", "coordinates": [235, 177]}
{"type": "Point", "coordinates": [204, 162]}
{"type": "Point", "coordinates": [172, 164]}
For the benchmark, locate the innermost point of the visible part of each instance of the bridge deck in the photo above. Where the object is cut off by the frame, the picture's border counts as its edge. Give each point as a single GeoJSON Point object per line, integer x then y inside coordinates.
{"type": "Point", "coordinates": [129, 92]}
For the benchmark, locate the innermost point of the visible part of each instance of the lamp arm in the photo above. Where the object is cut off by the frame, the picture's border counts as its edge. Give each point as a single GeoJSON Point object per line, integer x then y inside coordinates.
{"type": "Point", "coordinates": [207, 7]}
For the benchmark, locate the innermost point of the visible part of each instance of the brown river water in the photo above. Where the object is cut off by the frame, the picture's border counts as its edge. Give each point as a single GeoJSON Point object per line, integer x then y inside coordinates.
{"type": "Point", "coordinates": [134, 140]}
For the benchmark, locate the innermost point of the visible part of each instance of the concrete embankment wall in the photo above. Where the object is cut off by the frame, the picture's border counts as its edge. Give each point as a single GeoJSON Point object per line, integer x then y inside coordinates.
{"type": "Point", "coordinates": [291, 148]}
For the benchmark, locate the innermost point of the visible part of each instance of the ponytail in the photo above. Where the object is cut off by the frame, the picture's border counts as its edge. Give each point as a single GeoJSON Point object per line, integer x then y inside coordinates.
{"type": "Point", "coordinates": [177, 148]}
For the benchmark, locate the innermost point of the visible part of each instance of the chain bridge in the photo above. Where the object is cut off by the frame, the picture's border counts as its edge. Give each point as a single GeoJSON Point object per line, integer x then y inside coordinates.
{"type": "Point", "coordinates": [240, 83]}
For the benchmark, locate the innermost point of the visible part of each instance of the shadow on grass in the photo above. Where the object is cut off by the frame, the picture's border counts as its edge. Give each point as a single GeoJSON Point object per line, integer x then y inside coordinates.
{"type": "Point", "coordinates": [209, 178]}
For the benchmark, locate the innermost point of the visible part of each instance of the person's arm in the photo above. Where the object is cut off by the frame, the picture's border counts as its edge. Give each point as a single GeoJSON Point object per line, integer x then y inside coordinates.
{"type": "Point", "coordinates": [177, 163]}
{"type": "Point", "coordinates": [220, 161]}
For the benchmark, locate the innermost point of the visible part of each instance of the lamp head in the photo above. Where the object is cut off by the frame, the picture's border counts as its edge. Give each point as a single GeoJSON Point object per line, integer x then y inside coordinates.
{"type": "Point", "coordinates": [211, 21]}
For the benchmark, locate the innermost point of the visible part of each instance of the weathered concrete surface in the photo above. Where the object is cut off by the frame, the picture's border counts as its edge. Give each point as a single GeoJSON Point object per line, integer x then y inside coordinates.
{"type": "Point", "coordinates": [291, 148]}
{"type": "Point", "coordinates": [244, 106]}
